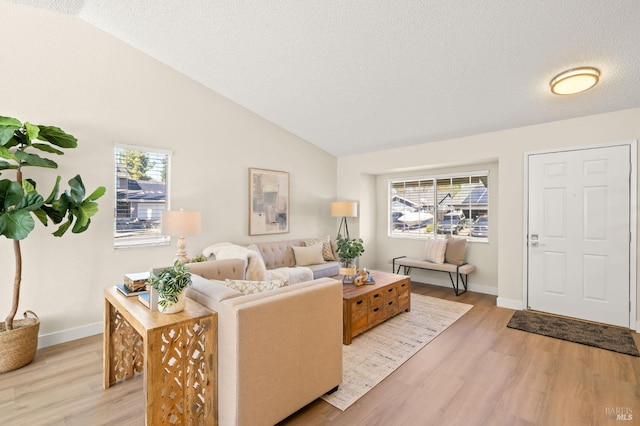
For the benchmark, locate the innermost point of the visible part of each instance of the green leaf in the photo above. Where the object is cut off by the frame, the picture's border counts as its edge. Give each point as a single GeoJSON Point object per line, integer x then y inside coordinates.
{"type": "Point", "coordinates": [30, 202]}
{"type": "Point", "coordinates": [55, 215]}
{"type": "Point", "coordinates": [10, 193]}
{"type": "Point", "coordinates": [10, 121]}
{"type": "Point", "coordinates": [47, 148]}
{"type": "Point", "coordinates": [35, 160]}
{"type": "Point", "coordinates": [57, 136]}
{"type": "Point", "coordinates": [41, 215]}
{"type": "Point", "coordinates": [77, 189]}
{"type": "Point", "coordinates": [16, 224]}
{"type": "Point", "coordinates": [99, 192]}
{"type": "Point", "coordinates": [7, 166]}
{"type": "Point", "coordinates": [32, 131]}
{"type": "Point", "coordinates": [62, 229]}
{"type": "Point", "coordinates": [54, 192]}
{"type": "Point", "coordinates": [6, 133]}
{"type": "Point", "coordinates": [5, 153]}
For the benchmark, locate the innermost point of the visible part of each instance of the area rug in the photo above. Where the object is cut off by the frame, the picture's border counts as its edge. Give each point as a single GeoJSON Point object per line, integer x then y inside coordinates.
{"type": "Point", "coordinates": [600, 336]}
{"type": "Point", "coordinates": [374, 355]}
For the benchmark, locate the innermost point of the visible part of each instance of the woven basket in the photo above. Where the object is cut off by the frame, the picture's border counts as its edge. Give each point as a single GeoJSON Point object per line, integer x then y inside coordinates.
{"type": "Point", "coordinates": [18, 346]}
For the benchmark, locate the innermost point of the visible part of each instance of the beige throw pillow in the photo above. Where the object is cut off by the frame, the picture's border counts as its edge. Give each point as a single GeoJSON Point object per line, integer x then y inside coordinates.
{"type": "Point", "coordinates": [306, 256]}
{"type": "Point", "coordinates": [455, 250]}
{"type": "Point", "coordinates": [434, 250]}
{"type": "Point", "coordinates": [251, 287]}
{"type": "Point", "coordinates": [327, 251]}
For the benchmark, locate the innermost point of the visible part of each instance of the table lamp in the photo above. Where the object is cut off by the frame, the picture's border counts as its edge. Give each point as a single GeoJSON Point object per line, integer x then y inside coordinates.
{"type": "Point", "coordinates": [180, 223]}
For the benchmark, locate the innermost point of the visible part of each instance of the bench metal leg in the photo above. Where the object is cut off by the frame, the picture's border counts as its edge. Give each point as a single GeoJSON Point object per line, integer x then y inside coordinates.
{"type": "Point", "coordinates": [456, 285]}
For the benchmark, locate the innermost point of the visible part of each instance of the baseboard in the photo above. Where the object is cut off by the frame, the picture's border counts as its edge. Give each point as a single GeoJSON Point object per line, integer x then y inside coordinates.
{"type": "Point", "coordinates": [69, 335]}
{"type": "Point", "coordinates": [502, 302]}
{"type": "Point", "coordinates": [476, 288]}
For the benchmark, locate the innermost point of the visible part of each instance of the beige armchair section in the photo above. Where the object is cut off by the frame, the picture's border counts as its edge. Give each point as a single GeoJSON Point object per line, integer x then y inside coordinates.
{"type": "Point", "coordinates": [278, 350]}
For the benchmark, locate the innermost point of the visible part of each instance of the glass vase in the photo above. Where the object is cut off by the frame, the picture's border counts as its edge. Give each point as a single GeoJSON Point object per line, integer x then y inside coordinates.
{"type": "Point", "coordinates": [348, 270]}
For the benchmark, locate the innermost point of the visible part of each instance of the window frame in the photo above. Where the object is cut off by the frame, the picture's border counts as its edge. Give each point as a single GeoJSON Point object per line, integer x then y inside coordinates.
{"type": "Point", "coordinates": [153, 239]}
{"type": "Point", "coordinates": [435, 180]}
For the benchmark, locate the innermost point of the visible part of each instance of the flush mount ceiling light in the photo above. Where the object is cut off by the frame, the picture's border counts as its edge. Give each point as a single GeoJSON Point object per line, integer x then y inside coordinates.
{"type": "Point", "coordinates": [574, 81]}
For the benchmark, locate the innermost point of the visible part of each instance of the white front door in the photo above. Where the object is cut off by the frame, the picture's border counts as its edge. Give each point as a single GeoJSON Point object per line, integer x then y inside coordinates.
{"type": "Point", "coordinates": [579, 234]}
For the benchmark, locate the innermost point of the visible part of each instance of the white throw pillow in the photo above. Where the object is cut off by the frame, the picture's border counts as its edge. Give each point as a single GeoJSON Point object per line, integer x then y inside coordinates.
{"type": "Point", "coordinates": [434, 250]}
{"type": "Point", "coordinates": [251, 287]}
{"type": "Point", "coordinates": [306, 256]}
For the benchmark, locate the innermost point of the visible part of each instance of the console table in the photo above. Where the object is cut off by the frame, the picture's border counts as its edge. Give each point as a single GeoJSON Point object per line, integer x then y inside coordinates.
{"type": "Point", "coordinates": [176, 352]}
{"type": "Point", "coordinates": [368, 305]}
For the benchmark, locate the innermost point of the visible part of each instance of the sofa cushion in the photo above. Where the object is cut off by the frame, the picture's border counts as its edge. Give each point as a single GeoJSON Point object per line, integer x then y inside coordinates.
{"type": "Point", "coordinates": [434, 250]}
{"type": "Point", "coordinates": [454, 253]}
{"type": "Point", "coordinates": [327, 250]}
{"type": "Point", "coordinates": [251, 287]}
{"type": "Point", "coordinates": [328, 269]}
{"type": "Point", "coordinates": [306, 256]}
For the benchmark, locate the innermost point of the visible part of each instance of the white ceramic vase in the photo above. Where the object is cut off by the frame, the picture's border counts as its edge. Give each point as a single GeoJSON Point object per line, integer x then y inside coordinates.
{"type": "Point", "coordinates": [172, 308]}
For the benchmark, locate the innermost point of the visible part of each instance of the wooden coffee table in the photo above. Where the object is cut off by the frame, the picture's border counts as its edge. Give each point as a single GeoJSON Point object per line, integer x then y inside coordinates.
{"type": "Point", "coordinates": [368, 305]}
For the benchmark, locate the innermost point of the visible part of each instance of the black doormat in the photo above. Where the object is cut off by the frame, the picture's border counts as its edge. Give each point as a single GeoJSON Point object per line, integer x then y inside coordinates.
{"type": "Point", "coordinates": [600, 336]}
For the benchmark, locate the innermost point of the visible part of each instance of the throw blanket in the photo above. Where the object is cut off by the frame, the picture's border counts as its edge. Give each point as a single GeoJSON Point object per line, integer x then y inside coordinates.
{"type": "Point", "coordinates": [298, 274]}
{"type": "Point", "coordinates": [256, 269]}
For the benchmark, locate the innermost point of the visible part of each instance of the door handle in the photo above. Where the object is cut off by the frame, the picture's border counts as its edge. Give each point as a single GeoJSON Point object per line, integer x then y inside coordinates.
{"type": "Point", "coordinates": [537, 244]}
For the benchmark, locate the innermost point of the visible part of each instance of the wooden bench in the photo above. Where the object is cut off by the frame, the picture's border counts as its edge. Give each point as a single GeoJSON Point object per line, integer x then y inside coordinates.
{"type": "Point", "coordinates": [462, 271]}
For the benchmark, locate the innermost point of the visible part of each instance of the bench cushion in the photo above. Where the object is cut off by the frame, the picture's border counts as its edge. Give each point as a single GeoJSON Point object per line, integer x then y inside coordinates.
{"type": "Point", "coordinates": [444, 267]}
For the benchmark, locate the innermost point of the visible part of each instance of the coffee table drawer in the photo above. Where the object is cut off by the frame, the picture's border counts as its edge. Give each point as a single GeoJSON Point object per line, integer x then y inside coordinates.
{"type": "Point", "coordinates": [376, 298]}
{"type": "Point", "coordinates": [376, 314]}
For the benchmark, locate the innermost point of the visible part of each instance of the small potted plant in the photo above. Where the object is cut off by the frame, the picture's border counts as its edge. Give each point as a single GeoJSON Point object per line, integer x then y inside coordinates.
{"type": "Point", "coordinates": [170, 284]}
{"type": "Point", "coordinates": [348, 252]}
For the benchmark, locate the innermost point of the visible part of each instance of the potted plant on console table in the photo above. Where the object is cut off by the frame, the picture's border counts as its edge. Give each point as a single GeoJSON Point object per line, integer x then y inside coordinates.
{"type": "Point", "coordinates": [20, 202]}
{"type": "Point", "coordinates": [170, 284]}
{"type": "Point", "coordinates": [348, 252]}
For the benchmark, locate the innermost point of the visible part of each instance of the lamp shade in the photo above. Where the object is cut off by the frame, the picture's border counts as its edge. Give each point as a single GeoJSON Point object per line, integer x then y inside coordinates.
{"type": "Point", "coordinates": [179, 223]}
{"type": "Point", "coordinates": [344, 209]}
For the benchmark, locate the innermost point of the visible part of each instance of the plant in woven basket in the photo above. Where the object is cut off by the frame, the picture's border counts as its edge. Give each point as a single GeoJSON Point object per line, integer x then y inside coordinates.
{"type": "Point", "coordinates": [26, 145]}
{"type": "Point", "coordinates": [170, 283]}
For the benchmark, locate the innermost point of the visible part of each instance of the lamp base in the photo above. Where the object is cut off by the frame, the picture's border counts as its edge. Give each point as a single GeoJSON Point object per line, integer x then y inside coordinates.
{"type": "Point", "coordinates": [181, 254]}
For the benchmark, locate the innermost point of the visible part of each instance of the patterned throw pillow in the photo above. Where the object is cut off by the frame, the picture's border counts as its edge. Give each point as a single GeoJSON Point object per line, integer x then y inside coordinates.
{"type": "Point", "coordinates": [251, 287]}
{"type": "Point", "coordinates": [434, 250]}
{"type": "Point", "coordinates": [327, 251]}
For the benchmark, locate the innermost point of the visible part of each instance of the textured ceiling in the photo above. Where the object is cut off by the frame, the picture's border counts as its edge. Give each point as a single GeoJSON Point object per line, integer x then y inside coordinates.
{"type": "Point", "coordinates": [358, 76]}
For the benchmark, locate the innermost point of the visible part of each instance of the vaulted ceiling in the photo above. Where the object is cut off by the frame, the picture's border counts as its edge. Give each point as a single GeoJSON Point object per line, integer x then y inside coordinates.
{"type": "Point", "coordinates": [354, 76]}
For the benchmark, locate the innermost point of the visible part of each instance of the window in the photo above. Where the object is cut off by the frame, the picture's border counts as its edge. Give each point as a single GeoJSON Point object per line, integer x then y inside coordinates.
{"type": "Point", "coordinates": [449, 204]}
{"type": "Point", "coordinates": [142, 186]}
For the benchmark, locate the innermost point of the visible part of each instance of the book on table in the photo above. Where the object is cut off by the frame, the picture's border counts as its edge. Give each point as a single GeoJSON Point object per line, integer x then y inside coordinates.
{"type": "Point", "coordinates": [147, 298]}
{"type": "Point", "coordinates": [135, 281]}
{"type": "Point", "coordinates": [130, 293]}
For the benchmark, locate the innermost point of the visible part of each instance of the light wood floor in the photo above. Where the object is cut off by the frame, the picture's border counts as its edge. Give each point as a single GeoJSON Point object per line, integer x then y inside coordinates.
{"type": "Point", "coordinates": [478, 372]}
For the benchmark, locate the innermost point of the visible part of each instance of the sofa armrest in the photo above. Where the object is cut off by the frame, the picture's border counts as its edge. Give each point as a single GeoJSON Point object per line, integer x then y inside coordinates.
{"type": "Point", "coordinates": [233, 269]}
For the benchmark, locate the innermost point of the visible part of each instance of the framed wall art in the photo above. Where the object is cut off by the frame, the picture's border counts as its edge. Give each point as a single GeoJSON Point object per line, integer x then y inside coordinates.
{"type": "Point", "coordinates": [268, 202]}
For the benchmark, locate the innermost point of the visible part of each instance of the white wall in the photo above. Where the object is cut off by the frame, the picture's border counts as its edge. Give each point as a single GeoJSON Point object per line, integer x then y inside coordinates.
{"type": "Point", "coordinates": [508, 149]}
{"type": "Point", "coordinates": [58, 70]}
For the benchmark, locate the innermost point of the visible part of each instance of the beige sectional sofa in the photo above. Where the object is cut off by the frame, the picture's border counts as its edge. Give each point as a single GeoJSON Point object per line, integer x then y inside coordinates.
{"type": "Point", "coordinates": [291, 260]}
{"type": "Point", "coordinates": [278, 350]}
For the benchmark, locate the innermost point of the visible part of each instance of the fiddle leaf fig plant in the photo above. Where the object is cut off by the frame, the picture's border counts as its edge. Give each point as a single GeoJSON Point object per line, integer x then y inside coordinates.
{"type": "Point", "coordinates": [27, 145]}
